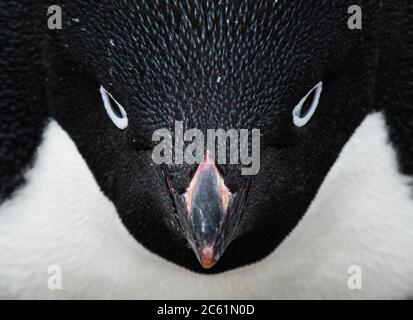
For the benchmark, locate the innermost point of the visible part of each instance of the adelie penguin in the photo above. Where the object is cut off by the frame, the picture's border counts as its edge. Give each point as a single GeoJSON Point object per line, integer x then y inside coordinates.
{"type": "Point", "coordinates": [330, 213]}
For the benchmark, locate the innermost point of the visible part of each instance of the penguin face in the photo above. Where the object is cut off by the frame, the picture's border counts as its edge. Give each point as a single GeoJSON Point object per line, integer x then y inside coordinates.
{"type": "Point", "coordinates": [118, 72]}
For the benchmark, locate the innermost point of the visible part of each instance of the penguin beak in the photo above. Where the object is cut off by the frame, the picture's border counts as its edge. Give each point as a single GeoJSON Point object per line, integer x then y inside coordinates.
{"type": "Point", "coordinates": [209, 213]}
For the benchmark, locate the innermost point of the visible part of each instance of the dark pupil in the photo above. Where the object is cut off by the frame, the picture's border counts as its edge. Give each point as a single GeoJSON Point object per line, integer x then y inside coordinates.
{"type": "Point", "coordinates": [115, 108]}
{"type": "Point", "coordinates": [307, 104]}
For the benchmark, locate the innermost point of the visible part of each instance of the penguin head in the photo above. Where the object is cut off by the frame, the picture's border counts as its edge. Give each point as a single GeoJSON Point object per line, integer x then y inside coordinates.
{"type": "Point", "coordinates": [118, 73]}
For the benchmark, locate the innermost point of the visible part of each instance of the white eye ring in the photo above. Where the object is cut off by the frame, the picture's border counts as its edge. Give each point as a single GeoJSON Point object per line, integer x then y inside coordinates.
{"type": "Point", "coordinates": [121, 121]}
{"type": "Point", "coordinates": [301, 120]}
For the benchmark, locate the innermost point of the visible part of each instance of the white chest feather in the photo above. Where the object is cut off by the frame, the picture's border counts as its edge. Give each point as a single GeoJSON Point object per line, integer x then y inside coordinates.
{"type": "Point", "coordinates": [362, 215]}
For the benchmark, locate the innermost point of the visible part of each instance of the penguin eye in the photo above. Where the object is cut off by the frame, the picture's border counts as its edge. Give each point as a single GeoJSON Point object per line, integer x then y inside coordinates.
{"type": "Point", "coordinates": [114, 110]}
{"type": "Point", "coordinates": [305, 109]}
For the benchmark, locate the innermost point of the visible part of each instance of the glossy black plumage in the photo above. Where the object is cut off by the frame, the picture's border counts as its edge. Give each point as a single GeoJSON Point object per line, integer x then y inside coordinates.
{"type": "Point", "coordinates": [212, 64]}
